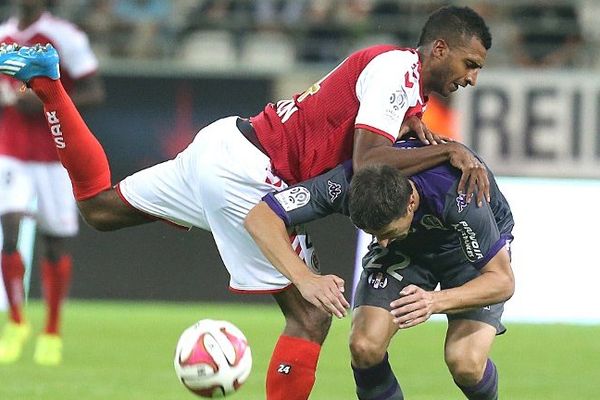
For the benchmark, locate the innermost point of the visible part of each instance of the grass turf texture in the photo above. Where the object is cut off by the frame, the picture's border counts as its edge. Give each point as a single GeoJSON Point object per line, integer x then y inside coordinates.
{"type": "Point", "coordinates": [123, 350]}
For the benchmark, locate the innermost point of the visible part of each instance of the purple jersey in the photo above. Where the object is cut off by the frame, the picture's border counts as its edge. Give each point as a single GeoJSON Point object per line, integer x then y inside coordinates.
{"type": "Point", "coordinates": [445, 230]}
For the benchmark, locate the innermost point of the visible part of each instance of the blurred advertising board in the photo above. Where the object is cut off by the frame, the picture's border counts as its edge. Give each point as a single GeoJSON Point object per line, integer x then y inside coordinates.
{"type": "Point", "coordinates": [534, 123]}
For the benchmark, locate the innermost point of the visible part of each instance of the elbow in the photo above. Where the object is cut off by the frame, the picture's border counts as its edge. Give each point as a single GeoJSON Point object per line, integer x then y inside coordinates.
{"type": "Point", "coordinates": [507, 286]}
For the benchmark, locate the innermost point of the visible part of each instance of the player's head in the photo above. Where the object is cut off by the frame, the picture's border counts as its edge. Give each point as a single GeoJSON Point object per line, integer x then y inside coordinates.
{"type": "Point", "coordinates": [454, 43]}
{"type": "Point", "coordinates": [381, 202]}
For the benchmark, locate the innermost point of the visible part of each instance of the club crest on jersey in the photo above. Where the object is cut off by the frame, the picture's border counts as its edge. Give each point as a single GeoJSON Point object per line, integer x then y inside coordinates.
{"type": "Point", "coordinates": [378, 280]}
{"type": "Point", "coordinates": [461, 202]}
{"type": "Point", "coordinates": [334, 190]}
{"type": "Point", "coordinates": [431, 222]}
{"type": "Point", "coordinates": [293, 198]}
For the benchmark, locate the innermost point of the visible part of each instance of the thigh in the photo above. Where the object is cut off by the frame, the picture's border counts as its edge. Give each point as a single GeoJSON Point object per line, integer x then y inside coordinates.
{"type": "Point", "coordinates": [490, 314]}
{"type": "Point", "coordinates": [468, 340]}
{"type": "Point", "coordinates": [56, 207]}
{"type": "Point", "coordinates": [17, 191]}
{"type": "Point", "coordinates": [229, 187]}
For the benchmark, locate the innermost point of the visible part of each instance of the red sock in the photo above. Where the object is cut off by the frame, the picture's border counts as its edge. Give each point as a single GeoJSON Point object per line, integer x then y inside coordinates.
{"type": "Point", "coordinates": [291, 373]}
{"type": "Point", "coordinates": [78, 149]}
{"type": "Point", "coordinates": [56, 277]}
{"type": "Point", "coordinates": [12, 273]}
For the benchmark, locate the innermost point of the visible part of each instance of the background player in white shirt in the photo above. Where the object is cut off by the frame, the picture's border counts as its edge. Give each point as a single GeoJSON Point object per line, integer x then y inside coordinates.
{"type": "Point", "coordinates": [30, 173]}
{"type": "Point", "coordinates": [234, 162]}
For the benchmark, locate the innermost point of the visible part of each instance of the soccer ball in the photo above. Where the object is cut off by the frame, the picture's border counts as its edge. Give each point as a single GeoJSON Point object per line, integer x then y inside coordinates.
{"type": "Point", "coordinates": [212, 358]}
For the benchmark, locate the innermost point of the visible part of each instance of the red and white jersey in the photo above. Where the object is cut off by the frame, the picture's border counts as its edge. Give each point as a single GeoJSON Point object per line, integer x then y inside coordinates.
{"type": "Point", "coordinates": [374, 89]}
{"type": "Point", "coordinates": [23, 136]}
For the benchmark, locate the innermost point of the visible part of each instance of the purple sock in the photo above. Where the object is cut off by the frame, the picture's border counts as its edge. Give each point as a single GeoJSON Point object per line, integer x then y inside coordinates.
{"type": "Point", "coordinates": [377, 382]}
{"type": "Point", "coordinates": [487, 388]}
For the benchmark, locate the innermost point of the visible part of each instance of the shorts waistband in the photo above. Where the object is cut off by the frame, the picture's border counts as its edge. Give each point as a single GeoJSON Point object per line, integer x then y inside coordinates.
{"type": "Point", "coordinates": [246, 128]}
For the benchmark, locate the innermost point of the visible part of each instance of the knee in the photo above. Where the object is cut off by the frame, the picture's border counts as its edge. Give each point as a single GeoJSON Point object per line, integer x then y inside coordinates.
{"type": "Point", "coordinates": [466, 368]}
{"type": "Point", "coordinates": [365, 351]}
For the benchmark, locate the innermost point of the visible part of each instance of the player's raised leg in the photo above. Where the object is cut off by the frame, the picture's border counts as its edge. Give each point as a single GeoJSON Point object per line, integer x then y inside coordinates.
{"type": "Point", "coordinates": [468, 344]}
{"type": "Point", "coordinates": [79, 151]}
{"type": "Point", "coordinates": [291, 372]}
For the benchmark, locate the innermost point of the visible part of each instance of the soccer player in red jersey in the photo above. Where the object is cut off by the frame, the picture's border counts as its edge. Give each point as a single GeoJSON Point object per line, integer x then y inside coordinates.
{"type": "Point", "coordinates": [31, 172]}
{"type": "Point", "coordinates": [357, 111]}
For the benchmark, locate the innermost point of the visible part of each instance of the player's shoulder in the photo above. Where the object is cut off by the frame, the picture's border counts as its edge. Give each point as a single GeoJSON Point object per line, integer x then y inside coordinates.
{"type": "Point", "coordinates": [387, 51]}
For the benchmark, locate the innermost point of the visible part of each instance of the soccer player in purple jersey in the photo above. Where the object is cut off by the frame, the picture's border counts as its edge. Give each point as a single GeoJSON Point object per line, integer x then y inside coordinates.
{"type": "Point", "coordinates": [425, 234]}
{"type": "Point", "coordinates": [355, 112]}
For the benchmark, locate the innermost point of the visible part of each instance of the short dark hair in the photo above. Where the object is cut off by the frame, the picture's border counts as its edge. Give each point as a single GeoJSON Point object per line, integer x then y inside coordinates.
{"type": "Point", "coordinates": [455, 24]}
{"type": "Point", "coordinates": [379, 194]}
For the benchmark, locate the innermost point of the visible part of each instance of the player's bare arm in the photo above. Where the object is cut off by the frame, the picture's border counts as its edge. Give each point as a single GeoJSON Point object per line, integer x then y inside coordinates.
{"type": "Point", "coordinates": [494, 285]}
{"type": "Point", "coordinates": [414, 125]}
{"type": "Point", "coordinates": [270, 234]}
{"type": "Point", "coordinates": [371, 148]}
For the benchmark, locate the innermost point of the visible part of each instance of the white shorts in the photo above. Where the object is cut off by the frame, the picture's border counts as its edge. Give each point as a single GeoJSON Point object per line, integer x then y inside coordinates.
{"type": "Point", "coordinates": [45, 185]}
{"type": "Point", "coordinates": [212, 185]}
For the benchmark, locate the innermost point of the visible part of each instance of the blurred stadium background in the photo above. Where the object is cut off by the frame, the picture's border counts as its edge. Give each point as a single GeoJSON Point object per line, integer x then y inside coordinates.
{"type": "Point", "coordinates": [171, 67]}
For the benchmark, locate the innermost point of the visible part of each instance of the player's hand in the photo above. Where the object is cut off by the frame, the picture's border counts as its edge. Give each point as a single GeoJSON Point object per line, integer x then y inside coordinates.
{"type": "Point", "coordinates": [326, 292]}
{"type": "Point", "coordinates": [474, 174]}
{"type": "Point", "coordinates": [414, 125]}
{"type": "Point", "coordinates": [414, 306]}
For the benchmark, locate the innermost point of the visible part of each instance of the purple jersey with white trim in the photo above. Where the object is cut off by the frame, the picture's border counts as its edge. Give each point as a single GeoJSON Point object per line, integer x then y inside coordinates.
{"type": "Point", "coordinates": [445, 230]}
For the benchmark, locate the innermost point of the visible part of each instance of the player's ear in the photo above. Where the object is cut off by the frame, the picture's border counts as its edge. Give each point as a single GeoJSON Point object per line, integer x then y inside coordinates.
{"type": "Point", "coordinates": [439, 48]}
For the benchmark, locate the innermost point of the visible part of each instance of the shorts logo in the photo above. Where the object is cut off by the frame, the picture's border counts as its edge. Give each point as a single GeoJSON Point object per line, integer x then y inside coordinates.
{"type": "Point", "coordinates": [334, 190]}
{"type": "Point", "coordinates": [284, 369]}
{"type": "Point", "coordinates": [461, 202]}
{"type": "Point", "coordinates": [293, 198]}
{"type": "Point", "coordinates": [378, 280]}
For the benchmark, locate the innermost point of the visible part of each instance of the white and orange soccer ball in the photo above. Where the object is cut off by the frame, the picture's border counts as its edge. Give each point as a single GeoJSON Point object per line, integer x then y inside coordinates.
{"type": "Point", "coordinates": [213, 358]}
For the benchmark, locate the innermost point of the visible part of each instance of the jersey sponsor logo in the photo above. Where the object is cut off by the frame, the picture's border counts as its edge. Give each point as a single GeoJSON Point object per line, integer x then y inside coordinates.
{"type": "Point", "coordinates": [294, 198]}
{"type": "Point", "coordinates": [55, 129]}
{"type": "Point", "coordinates": [334, 190]}
{"type": "Point", "coordinates": [461, 202]}
{"type": "Point", "coordinates": [378, 280]}
{"type": "Point", "coordinates": [468, 241]}
{"type": "Point", "coordinates": [432, 222]}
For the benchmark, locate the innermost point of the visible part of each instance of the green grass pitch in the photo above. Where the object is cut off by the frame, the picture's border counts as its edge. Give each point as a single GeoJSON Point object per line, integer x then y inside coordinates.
{"type": "Point", "coordinates": [123, 350]}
